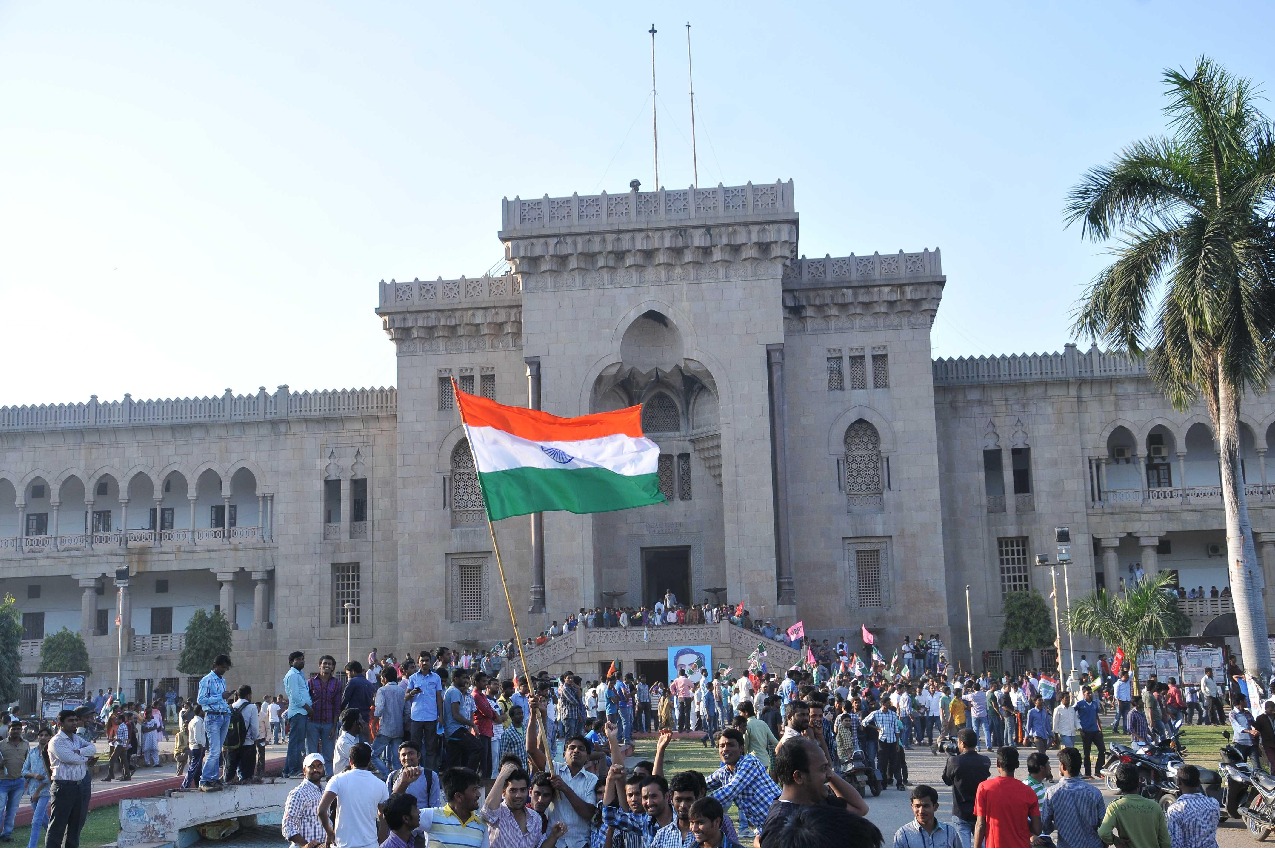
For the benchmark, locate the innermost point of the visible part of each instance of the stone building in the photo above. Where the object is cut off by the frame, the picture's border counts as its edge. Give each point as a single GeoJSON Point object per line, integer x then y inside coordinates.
{"type": "Point", "coordinates": [818, 464]}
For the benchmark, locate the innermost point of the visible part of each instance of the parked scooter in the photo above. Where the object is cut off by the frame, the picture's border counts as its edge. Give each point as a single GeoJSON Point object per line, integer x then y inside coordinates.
{"type": "Point", "coordinates": [1238, 777]}
{"type": "Point", "coordinates": [863, 776]}
{"type": "Point", "coordinates": [1258, 811]}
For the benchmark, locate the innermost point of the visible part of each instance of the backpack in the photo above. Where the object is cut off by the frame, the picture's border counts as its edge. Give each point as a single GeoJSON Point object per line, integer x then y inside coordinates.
{"type": "Point", "coordinates": [237, 731]}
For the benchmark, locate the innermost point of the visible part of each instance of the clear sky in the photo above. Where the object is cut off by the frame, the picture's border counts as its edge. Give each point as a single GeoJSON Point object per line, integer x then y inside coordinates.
{"type": "Point", "coordinates": [195, 196]}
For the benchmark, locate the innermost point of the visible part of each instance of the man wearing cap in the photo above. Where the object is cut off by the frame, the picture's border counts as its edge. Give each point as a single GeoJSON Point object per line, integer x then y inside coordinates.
{"type": "Point", "coordinates": [301, 824]}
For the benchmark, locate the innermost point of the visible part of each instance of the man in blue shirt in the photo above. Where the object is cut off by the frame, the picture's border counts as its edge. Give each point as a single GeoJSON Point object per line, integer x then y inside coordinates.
{"type": "Point", "coordinates": [1090, 729]}
{"type": "Point", "coordinates": [458, 722]}
{"type": "Point", "coordinates": [1038, 725]}
{"type": "Point", "coordinates": [425, 696]}
{"type": "Point", "coordinates": [298, 715]}
{"type": "Point", "coordinates": [1123, 693]}
{"type": "Point", "coordinates": [212, 696]}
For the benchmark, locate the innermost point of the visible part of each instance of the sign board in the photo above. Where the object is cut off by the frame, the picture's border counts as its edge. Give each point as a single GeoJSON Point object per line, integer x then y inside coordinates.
{"type": "Point", "coordinates": [61, 686]}
{"type": "Point", "coordinates": [1197, 653]}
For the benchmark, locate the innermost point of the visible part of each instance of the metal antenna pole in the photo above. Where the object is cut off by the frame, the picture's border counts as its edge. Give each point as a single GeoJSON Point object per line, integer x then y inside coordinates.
{"type": "Point", "coordinates": [655, 128]}
{"type": "Point", "coordinates": [691, 80]}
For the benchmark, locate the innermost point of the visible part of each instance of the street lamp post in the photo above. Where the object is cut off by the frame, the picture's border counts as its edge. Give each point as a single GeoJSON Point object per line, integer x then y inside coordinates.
{"type": "Point", "coordinates": [121, 582]}
{"type": "Point", "coordinates": [349, 618]}
{"type": "Point", "coordinates": [1053, 576]}
{"type": "Point", "coordinates": [1062, 537]}
{"type": "Point", "coordinates": [969, 627]}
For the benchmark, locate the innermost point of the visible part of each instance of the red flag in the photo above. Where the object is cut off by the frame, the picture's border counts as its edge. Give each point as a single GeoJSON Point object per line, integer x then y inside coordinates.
{"type": "Point", "coordinates": [797, 630]}
{"type": "Point", "coordinates": [739, 610]}
{"type": "Point", "coordinates": [1117, 661]}
{"type": "Point", "coordinates": [613, 669]}
{"type": "Point", "coordinates": [868, 637]}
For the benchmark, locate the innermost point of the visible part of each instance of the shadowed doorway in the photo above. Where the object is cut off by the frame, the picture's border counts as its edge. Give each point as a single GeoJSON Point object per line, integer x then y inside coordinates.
{"type": "Point", "coordinates": [663, 569]}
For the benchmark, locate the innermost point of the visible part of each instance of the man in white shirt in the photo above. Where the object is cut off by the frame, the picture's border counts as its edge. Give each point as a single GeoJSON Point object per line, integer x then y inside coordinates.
{"type": "Point", "coordinates": [241, 761]}
{"type": "Point", "coordinates": [357, 793]}
{"type": "Point", "coordinates": [1084, 667]}
{"type": "Point", "coordinates": [273, 717]}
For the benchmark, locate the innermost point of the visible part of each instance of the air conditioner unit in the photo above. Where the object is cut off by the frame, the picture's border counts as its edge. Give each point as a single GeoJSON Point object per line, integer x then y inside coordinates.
{"type": "Point", "coordinates": [1120, 453]}
{"type": "Point", "coordinates": [1159, 451]}
{"type": "Point", "coordinates": [1216, 550]}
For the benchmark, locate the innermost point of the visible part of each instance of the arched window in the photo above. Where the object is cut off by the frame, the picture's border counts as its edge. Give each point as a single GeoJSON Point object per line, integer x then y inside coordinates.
{"type": "Point", "coordinates": [660, 415]}
{"type": "Point", "coordinates": [467, 498]}
{"type": "Point", "coordinates": [864, 486]}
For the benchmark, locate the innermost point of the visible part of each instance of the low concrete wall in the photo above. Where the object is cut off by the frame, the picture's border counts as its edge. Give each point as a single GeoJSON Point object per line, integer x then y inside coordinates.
{"type": "Point", "coordinates": [161, 821]}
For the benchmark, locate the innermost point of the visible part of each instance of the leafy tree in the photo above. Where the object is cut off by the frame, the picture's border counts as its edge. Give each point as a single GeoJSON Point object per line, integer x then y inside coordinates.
{"type": "Point", "coordinates": [10, 645]}
{"type": "Point", "coordinates": [64, 652]}
{"type": "Point", "coordinates": [1144, 616]}
{"type": "Point", "coordinates": [1192, 288]}
{"type": "Point", "coordinates": [207, 636]}
{"type": "Point", "coordinates": [1028, 624]}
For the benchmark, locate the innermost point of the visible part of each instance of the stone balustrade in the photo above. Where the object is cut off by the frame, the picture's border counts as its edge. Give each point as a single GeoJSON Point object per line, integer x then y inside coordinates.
{"type": "Point", "coordinates": [1157, 498]}
{"type": "Point", "coordinates": [109, 540]}
{"type": "Point", "coordinates": [282, 404]}
{"type": "Point", "coordinates": [868, 268]}
{"type": "Point", "coordinates": [159, 643]}
{"type": "Point", "coordinates": [440, 294]}
{"type": "Point", "coordinates": [634, 208]}
{"type": "Point", "coordinates": [1067, 365]}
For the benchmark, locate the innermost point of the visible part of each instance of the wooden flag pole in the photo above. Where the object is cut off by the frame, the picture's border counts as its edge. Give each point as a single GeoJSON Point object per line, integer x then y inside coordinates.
{"type": "Point", "coordinates": [500, 566]}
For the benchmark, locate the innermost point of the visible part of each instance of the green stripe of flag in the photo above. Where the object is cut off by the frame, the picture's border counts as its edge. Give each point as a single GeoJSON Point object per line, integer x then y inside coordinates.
{"type": "Point", "coordinates": [527, 490]}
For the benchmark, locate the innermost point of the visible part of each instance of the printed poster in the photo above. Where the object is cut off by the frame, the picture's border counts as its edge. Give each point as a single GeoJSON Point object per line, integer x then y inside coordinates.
{"type": "Point", "coordinates": [697, 661]}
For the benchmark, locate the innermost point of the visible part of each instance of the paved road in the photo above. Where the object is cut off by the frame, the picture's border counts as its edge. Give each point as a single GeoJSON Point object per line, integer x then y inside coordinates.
{"type": "Point", "coordinates": [893, 808]}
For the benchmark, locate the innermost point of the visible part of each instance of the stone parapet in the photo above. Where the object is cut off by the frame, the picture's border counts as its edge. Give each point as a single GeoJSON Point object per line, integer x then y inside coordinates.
{"type": "Point", "coordinates": [856, 270]}
{"type": "Point", "coordinates": [281, 404]}
{"type": "Point", "coordinates": [1068, 365]}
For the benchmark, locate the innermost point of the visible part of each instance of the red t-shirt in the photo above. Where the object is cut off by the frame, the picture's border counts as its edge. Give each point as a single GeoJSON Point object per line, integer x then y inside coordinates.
{"type": "Point", "coordinates": [1005, 804]}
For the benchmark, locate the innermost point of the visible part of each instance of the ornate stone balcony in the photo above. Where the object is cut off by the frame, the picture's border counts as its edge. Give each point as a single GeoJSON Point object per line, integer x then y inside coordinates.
{"type": "Point", "coordinates": [1158, 498]}
{"type": "Point", "coordinates": [16, 547]}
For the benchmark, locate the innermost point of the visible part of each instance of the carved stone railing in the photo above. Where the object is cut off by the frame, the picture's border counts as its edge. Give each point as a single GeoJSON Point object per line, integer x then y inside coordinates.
{"type": "Point", "coordinates": [282, 404]}
{"type": "Point", "coordinates": [868, 268]}
{"type": "Point", "coordinates": [996, 504]}
{"type": "Point", "coordinates": [1024, 503]}
{"type": "Point", "coordinates": [440, 294]}
{"type": "Point", "coordinates": [1206, 609]}
{"type": "Point", "coordinates": [332, 531]}
{"type": "Point", "coordinates": [1158, 497]}
{"type": "Point", "coordinates": [520, 217]}
{"type": "Point", "coordinates": [1070, 364]}
{"type": "Point", "coordinates": [109, 540]}
{"type": "Point", "coordinates": [358, 530]}
{"type": "Point", "coordinates": [159, 643]}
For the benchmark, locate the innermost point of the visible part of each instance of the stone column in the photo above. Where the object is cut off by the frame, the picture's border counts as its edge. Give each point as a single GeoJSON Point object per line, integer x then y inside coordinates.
{"type": "Point", "coordinates": [1266, 547]}
{"type": "Point", "coordinates": [192, 519]}
{"type": "Point", "coordinates": [1182, 473]}
{"type": "Point", "coordinates": [22, 521]}
{"type": "Point", "coordinates": [159, 520]}
{"type": "Point", "coordinates": [1149, 564]}
{"type": "Point", "coordinates": [225, 519]}
{"type": "Point", "coordinates": [1110, 562]}
{"type": "Point", "coordinates": [125, 613]}
{"type": "Point", "coordinates": [228, 597]}
{"type": "Point", "coordinates": [261, 516]}
{"type": "Point", "coordinates": [55, 529]}
{"type": "Point", "coordinates": [88, 523]}
{"type": "Point", "coordinates": [1102, 477]}
{"type": "Point", "coordinates": [88, 608]}
{"type": "Point", "coordinates": [1261, 459]}
{"type": "Point", "coordinates": [260, 599]}
{"type": "Point", "coordinates": [779, 443]}
{"type": "Point", "coordinates": [537, 519]}
{"type": "Point", "coordinates": [124, 519]}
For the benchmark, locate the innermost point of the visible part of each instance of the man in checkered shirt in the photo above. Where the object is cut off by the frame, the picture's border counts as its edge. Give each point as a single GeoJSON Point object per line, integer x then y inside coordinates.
{"type": "Point", "coordinates": [513, 741]}
{"type": "Point", "coordinates": [889, 754]}
{"type": "Point", "coordinates": [1194, 817]}
{"type": "Point", "coordinates": [742, 780]}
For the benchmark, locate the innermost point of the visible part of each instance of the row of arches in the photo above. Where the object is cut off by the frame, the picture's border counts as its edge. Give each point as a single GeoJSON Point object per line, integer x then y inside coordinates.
{"type": "Point", "coordinates": [39, 504]}
{"type": "Point", "coordinates": [1163, 456]}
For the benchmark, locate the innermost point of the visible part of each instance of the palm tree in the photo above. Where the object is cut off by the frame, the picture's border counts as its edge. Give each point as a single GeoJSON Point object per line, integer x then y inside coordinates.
{"type": "Point", "coordinates": [1192, 288]}
{"type": "Point", "coordinates": [1143, 616]}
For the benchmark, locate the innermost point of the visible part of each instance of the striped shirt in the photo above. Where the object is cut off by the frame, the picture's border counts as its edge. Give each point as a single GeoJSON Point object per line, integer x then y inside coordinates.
{"type": "Point", "coordinates": [445, 828]}
{"type": "Point", "coordinates": [1193, 821]}
{"type": "Point", "coordinates": [1137, 723]}
{"type": "Point", "coordinates": [1074, 808]}
{"type": "Point", "coordinates": [886, 722]}
{"type": "Point", "coordinates": [503, 829]}
{"type": "Point", "coordinates": [68, 756]}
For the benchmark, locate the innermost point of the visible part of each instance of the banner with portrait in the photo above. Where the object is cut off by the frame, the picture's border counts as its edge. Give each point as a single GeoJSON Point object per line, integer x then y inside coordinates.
{"type": "Point", "coordinates": [697, 661]}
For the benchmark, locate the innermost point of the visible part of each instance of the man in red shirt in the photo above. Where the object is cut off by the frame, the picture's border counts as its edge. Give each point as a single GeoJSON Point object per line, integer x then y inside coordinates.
{"type": "Point", "coordinates": [1007, 810]}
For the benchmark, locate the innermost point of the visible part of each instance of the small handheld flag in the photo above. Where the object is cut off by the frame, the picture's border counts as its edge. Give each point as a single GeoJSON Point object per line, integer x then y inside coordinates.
{"type": "Point", "coordinates": [797, 630]}
{"type": "Point", "coordinates": [868, 638]}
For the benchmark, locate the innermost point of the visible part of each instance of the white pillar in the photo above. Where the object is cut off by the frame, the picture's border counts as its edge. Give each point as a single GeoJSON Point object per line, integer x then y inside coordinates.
{"type": "Point", "coordinates": [192, 518]}
{"type": "Point", "coordinates": [1182, 473]}
{"type": "Point", "coordinates": [88, 607]}
{"type": "Point", "coordinates": [260, 600]}
{"type": "Point", "coordinates": [159, 519]}
{"type": "Point", "coordinates": [225, 519]}
{"type": "Point", "coordinates": [261, 516]}
{"type": "Point", "coordinates": [88, 523]}
{"type": "Point", "coordinates": [228, 597]}
{"type": "Point", "coordinates": [1110, 562]}
{"type": "Point", "coordinates": [1149, 563]}
{"type": "Point", "coordinates": [124, 519]}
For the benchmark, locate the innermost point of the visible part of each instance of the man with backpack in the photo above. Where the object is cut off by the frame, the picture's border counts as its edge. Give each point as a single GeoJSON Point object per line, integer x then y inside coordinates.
{"type": "Point", "coordinates": [212, 696]}
{"type": "Point", "coordinates": [241, 738]}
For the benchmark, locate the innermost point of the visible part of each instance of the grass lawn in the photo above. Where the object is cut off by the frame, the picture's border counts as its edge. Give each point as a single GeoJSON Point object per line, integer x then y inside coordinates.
{"type": "Point", "coordinates": [102, 827]}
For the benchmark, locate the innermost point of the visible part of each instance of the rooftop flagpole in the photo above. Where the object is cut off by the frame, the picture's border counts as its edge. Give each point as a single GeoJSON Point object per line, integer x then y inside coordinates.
{"type": "Point", "coordinates": [655, 127]}
{"type": "Point", "coordinates": [691, 80]}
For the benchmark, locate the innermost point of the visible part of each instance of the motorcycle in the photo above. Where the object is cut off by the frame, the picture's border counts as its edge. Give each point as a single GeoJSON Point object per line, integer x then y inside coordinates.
{"type": "Point", "coordinates": [862, 776]}
{"type": "Point", "coordinates": [1258, 811]}
{"type": "Point", "coordinates": [1157, 762]}
{"type": "Point", "coordinates": [1238, 775]}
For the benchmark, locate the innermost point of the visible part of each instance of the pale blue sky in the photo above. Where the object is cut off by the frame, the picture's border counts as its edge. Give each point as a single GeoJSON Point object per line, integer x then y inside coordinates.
{"type": "Point", "coordinates": [196, 196]}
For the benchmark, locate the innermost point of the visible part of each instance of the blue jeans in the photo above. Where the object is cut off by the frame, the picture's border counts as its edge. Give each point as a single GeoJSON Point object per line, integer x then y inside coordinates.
{"type": "Point", "coordinates": [626, 723]}
{"type": "Point", "coordinates": [983, 732]}
{"type": "Point", "coordinates": [321, 738]}
{"type": "Point", "coordinates": [966, 829]}
{"type": "Point", "coordinates": [1068, 740]}
{"type": "Point", "coordinates": [995, 730]}
{"type": "Point", "coordinates": [276, 730]}
{"type": "Point", "coordinates": [298, 734]}
{"type": "Point", "coordinates": [10, 795]}
{"type": "Point", "coordinates": [385, 749]}
{"type": "Point", "coordinates": [39, 820]}
{"type": "Point", "coordinates": [217, 725]}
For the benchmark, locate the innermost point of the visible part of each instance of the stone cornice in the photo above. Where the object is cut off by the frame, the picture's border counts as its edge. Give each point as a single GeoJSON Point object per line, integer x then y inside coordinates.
{"type": "Point", "coordinates": [877, 306]}
{"type": "Point", "coordinates": [494, 327]}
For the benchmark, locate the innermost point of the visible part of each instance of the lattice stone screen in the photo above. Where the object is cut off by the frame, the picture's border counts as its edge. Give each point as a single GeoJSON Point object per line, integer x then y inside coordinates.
{"type": "Point", "coordinates": [858, 372]}
{"type": "Point", "coordinates": [864, 487]}
{"type": "Point", "coordinates": [660, 415]}
{"type": "Point", "coordinates": [880, 370]}
{"type": "Point", "coordinates": [665, 469]}
{"type": "Point", "coordinates": [467, 498]}
{"type": "Point", "coordinates": [1012, 553]}
{"type": "Point", "coordinates": [467, 599]}
{"type": "Point", "coordinates": [836, 378]}
{"type": "Point", "coordinates": [867, 565]}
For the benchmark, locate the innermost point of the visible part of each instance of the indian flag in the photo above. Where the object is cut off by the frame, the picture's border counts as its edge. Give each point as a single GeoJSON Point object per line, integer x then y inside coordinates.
{"type": "Point", "coordinates": [530, 461]}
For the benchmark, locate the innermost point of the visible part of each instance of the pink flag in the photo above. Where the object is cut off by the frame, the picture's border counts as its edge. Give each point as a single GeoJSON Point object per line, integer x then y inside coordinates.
{"type": "Point", "coordinates": [810, 657]}
{"type": "Point", "coordinates": [867, 637]}
{"type": "Point", "coordinates": [797, 630]}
